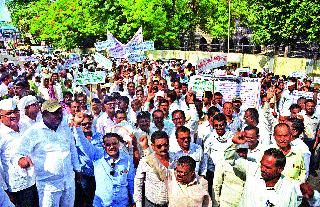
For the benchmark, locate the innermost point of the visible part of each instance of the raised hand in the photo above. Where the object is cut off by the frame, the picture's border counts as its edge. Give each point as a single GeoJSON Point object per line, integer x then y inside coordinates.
{"type": "Point", "coordinates": [144, 142]}
{"type": "Point", "coordinates": [239, 138]}
{"type": "Point", "coordinates": [25, 162]}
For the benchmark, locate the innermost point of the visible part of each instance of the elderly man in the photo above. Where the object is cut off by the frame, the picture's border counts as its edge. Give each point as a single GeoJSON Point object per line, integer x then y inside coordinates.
{"type": "Point", "coordinates": [113, 169]}
{"type": "Point", "coordinates": [49, 146]}
{"type": "Point", "coordinates": [29, 111]}
{"type": "Point", "coordinates": [19, 183]}
{"type": "Point", "coordinates": [105, 121]}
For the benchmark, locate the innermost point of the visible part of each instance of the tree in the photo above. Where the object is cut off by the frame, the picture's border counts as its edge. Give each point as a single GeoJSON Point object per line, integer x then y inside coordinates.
{"type": "Point", "coordinates": [284, 22]}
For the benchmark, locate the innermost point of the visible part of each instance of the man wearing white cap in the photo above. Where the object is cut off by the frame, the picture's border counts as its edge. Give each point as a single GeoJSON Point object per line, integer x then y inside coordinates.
{"type": "Point", "coordinates": [29, 111]}
{"type": "Point", "coordinates": [20, 183]}
{"type": "Point", "coordinates": [49, 146]}
{"type": "Point", "coordinates": [287, 98]}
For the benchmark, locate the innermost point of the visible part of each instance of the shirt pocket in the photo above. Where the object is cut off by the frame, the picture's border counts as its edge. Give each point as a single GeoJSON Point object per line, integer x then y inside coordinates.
{"type": "Point", "coordinates": [123, 176]}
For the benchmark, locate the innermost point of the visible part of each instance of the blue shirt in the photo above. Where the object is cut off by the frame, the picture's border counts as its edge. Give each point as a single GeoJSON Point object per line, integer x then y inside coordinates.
{"type": "Point", "coordinates": [112, 189]}
{"type": "Point", "coordinates": [235, 124]}
{"type": "Point", "coordinates": [86, 163]}
{"type": "Point", "coordinates": [196, 152]}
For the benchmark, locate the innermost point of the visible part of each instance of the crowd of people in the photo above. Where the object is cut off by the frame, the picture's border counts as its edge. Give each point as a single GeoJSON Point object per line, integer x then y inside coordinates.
{"type": "Point", "coordinates": [143, 138]}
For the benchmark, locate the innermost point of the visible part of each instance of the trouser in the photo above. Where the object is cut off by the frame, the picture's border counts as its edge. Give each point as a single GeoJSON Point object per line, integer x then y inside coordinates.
{"type": "Point", "coordinates": [314, 159]}
{"type": "Point", "coordinates": [85, 191]}
{"type": "Point", "coordinates": [62, 198]}
{"type": "Point", "coordinates": [25, 198]}
{"type": "Point", "coordinates": [210, 176]}
{"type": "Point", "coordinates": [148, 203]}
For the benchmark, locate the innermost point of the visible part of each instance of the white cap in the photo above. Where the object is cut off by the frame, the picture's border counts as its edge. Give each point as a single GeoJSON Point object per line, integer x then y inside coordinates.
{"type": "Point", "coordinates": [26, 101]}
{"type": "Point", "coordinates": [8, 104]}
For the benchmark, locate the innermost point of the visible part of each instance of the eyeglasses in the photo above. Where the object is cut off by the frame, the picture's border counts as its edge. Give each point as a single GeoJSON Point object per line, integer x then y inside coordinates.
{"type": "Point", "coordinates": [113, 172]}
{"type": "Point", "coordinates": [159, 146]}
{"type": "Point", "coordinates": [111, 144]}
{"type": "Point", "coordinates": [10, 113]}
{"type": "Point", "coordinates": [86, 123]}
{"type": "Point", "coordinates": [218, 125]}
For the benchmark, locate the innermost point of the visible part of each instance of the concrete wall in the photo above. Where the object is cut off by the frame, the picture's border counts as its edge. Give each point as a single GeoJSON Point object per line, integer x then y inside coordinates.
{"type": "Point", "coordinates": [279, 65]}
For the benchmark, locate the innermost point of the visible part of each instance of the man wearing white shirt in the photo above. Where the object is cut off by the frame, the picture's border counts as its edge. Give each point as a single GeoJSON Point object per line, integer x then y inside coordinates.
{"type": "Point", "coordinates": [50, 147]}
{"type": "Point", "coordinates": [20, 183]}
{"type": "Point", "coordinates": [265, 186]}
{"type": "Point", "coordinates": [287, 98]}
{"type": "Point", "coordinates": [215, 145]}
{"type": "Point", "coordinates": [312, 123]}
{"type": "Point", "coordinates": [297, 128]}
{"type": "Point", "coordinates": [29, 111]}
{"type": "Point", "coordinates": [206, 128]}
{"type": "Point", "coordinates": [5, 79]}
{"type": "Point", "coordinates": [158, 122]}
{"type": "Point", "coordinates": [105, 121]}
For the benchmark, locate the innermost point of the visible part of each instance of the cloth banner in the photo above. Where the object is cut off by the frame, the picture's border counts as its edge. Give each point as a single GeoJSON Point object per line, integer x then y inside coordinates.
{"type": "Point", "coordinates": [207, 64]}
{"type": "Point", "coordinates": [90, 78]}
{"type": "Point", "coordinates": [103, 61]}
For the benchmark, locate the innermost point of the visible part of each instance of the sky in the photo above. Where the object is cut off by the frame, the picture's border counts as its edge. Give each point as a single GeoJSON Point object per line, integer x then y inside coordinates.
{"type": "Point", "coordinates": [4, 13]}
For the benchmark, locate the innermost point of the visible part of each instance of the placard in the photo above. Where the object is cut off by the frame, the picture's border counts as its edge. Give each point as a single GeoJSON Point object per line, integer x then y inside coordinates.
{"type": "Point", "coordinates": [90, 78]}
{"type": "Point", "coordinates": [199, 84]}
{"type": "Point", "coordinates": [248, 89]}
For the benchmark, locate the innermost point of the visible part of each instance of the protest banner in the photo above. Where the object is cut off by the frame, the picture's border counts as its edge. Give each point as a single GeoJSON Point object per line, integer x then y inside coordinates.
{"type": "Point", "coordinates": [248, 89]}
{"type": "Point", "coordinates": [316, 80]}
{"type": "Point", "coordinates": [28, 58]}
{"type": "Point", "coordinates": [104, 45]}
{"type": "Point", "coordinates": [207, 64]}
{"type": "Point", "coordinates": [133, 58]}
{"type": "Point", "coordinates": [134, 46]}
{"type": "Point", "coordinates": [103, 61]}
{"type": "Point", "coordinates": [199, 84]}
{"type": "Point", "coordinates": [297, 74]}
{"type": "Point", "coordinates": [306, 94]}
{"type": "Point", "coordinates": [90, 78]}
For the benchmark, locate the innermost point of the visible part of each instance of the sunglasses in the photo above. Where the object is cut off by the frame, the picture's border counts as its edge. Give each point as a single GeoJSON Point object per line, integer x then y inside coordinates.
{"type": "Point", "coordinates": [159, 146]}
{"type": "Point", "coordinates": [86, 123]}
{"type": "Point", "coordinates": [113, 172]}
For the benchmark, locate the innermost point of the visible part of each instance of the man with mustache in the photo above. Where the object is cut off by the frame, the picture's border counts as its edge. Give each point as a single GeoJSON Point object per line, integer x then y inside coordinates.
{"type": "Point", "coordinates": [19, 183]}
{"type": "Point", "coordinates": [294, 169]}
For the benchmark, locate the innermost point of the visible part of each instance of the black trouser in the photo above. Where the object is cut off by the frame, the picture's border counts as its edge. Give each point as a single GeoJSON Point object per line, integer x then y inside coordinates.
{"type": "Point", "coordinates": [210, 176]}
{"type": "Point", "coordinates": [148, 203]}
{"type": "Point", "coordinates": [25, 198]}
{"type": "Point", "coordinates": [85, 191]}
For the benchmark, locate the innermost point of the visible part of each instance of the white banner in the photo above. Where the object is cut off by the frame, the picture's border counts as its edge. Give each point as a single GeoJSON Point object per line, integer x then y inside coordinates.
{"type": "Point", "coordinates": [248, 89]}
{"type": "Point", "coordinates": [103, 61]}
{"type": "Point", "coordinates": [207, 64]}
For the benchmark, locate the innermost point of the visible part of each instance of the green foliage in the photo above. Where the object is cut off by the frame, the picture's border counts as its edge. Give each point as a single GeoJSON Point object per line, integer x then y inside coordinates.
{"type": "Point", "coordinates": [285, 21]}
{"type": "Point", "coordinates": [80, 23]}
